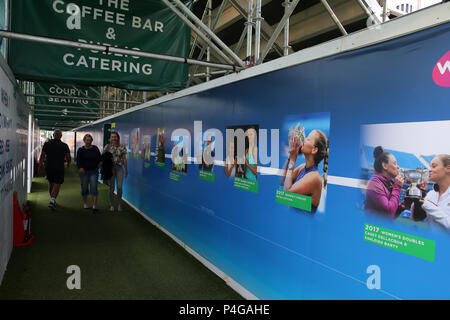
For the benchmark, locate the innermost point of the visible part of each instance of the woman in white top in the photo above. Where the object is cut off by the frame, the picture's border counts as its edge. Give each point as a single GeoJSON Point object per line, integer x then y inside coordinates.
{"type": "Point", "coordinates": [437, 202]}
{"type": "Point", "coordinates": [119, 153]}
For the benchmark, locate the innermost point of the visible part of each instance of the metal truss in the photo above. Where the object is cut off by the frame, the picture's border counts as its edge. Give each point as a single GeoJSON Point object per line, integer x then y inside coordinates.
{"type": "Point", "coordinates": [258, 42]}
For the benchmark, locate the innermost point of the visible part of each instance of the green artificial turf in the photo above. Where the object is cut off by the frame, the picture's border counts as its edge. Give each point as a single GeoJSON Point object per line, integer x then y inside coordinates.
{"type": "Point", "coordinates": [121, 255]}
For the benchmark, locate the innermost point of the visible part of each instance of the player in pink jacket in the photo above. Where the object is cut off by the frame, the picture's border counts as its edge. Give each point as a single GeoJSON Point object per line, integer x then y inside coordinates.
{"type": "Point", "coordinates": [383, 189]}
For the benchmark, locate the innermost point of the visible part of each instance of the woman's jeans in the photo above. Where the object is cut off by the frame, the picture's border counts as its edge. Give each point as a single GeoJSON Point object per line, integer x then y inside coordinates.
{"type": "Point", "coordinates": [89, 181]}
{"type": "Point", "coordinates": [117, 172]}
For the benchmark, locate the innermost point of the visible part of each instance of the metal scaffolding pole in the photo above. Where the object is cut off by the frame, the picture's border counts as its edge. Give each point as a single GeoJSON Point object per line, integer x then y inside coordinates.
{"type": "Point", "coordinates": [32, 147]}
{"type": "Point", "coordinates": [65, 123]}
{"type": "Point", "coordinates": [258, 20]}
{"type": "Point", "coordinates": [95, 91]}
{"type": "Point", "coordinates": [64, 107]}
{"type": "Point", "coordinates": [75, 98]}
{"type": "Point", "coordinates": [369, 12]}
{"type": "Point", "coordinates": [204, 28]}
{"type": "Point", "coordinates": [103, 48]}
{"type": "Point", "coordinates": [334, 17]}
{"type": "Point", "coordinates": [213, 27]}
{"type": "Point", "coordinates": [241, 40]}
{"type": "Point", "coordinates": [107, 94]}
{"type": "Point", "coordinates": [198, 75]}
{"type": "Point", "coordinates": [286, 46]}
{"type": "Point", "coordinates": [66, 111]}
{"type": "Point", "coordinates": [249, 25]}
{"type": "Point", "coordinates": [208, 52]}
{"type": "Point", "coordinates": [265, 27]}
{"type": "Point", "coordinates": [278, 29]}
{"type": "Point", "coordinates": [59, 124]}
{"type": "Point", "coordinates": [7, 22]}
{"type": "Point", "coordinates": [102, 102]}
{"type": "Point", "coordinates": [50, 115]}
{"type": "Point", "coordinates": [52, 126]}
{"type": "Point", "coordinates": [29, 151]}
{"type": "Point", "coordinates": [198, 31]}
{"type": "Point", "coordinates": [116, 106]}
{"type": "Point", "coordinates": [194, 43]}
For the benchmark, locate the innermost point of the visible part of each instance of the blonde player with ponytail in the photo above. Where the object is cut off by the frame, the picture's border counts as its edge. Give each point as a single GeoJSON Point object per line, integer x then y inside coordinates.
{"type": "Point", "coordinates": [305, 178]}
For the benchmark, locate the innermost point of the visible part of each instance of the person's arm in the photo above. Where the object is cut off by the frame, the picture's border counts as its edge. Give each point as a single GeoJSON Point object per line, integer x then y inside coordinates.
{"type": "Point", "coordinates": [388, 204]}
{"type": "Point", "coordinates": [42, 157]}
{"type": "Point", "coordinates": [204, 162]}
{"type": "Point", "coordinates": [68, 159]}
{"type": "Point", "coordinates": [417, 212]}
{"type": "Point", "coordinates": [306, 185]}
{"type": "Point", "coordinates": [439, 214]}
{"type": "Point", "coordinates": [284, 172]}
{"type": "Point", "coordinates": [41, 161]}
{"type": "Point", "coordinates": [230, 170]}
{"type": "Point", "coordinates": [99, 156]}
{"type": "Point", "coordinates": [67, 156]}
{"type": "Point", "coordinates": [80, 160]}
{"type": "Point", "coordinates": [211, 156]}
{"type": "Point", "coordinates": [124, 158]}
{"type": "Point", "coordinates": [290, 175]}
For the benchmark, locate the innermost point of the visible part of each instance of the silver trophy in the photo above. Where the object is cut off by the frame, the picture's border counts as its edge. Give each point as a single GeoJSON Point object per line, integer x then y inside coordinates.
{"type": "Point", "coordinates": [298, 132]}
{"type": "Point", "coordinates": [416, 177]}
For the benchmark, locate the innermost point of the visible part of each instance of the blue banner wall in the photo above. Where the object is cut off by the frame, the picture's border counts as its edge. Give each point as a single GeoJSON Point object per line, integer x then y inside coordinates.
{"type": "Point", "coordinates": [279, 252]}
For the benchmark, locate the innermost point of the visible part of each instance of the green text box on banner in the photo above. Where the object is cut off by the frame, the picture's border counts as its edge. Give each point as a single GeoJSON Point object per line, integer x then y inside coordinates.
{"type": "Point", "coordinates": [399, 241]}
{"type": "Point", "coordinates": [246, 184]}
{"type": "Point", "coordinates": [135, 24]}
{"type": "Point", "coordinates": [175, 176]}
{"type": "Point", "coordinates": [161, 165]}
{"type": "Point", "coordinates": [206, 175]}
{"type": "Point", "coordinates": [294, 200]}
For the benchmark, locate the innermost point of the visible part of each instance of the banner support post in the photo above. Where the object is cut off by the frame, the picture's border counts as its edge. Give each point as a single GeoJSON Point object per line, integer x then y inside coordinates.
{"type": "Point", "coordinates": [30, 152]}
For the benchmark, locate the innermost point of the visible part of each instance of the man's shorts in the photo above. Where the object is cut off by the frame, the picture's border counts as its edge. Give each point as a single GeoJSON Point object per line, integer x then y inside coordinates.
{"type": "Point", "coordinates": [55, 176]}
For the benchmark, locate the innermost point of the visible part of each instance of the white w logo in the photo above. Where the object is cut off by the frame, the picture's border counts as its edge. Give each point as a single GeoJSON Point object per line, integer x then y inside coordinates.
{"type": "Point", "coordinates": [443, 68]}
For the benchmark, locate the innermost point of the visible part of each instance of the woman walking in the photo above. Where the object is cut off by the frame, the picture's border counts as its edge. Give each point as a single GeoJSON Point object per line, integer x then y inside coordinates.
{"type": "Point", "coordinates": [88, 159]}
{"type": "Point", "coordinates": [119, 153]}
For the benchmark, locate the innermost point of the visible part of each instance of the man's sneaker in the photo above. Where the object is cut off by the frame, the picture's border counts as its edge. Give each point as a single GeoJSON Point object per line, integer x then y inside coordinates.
{"type": "Point", "coordinates": [52, 205]}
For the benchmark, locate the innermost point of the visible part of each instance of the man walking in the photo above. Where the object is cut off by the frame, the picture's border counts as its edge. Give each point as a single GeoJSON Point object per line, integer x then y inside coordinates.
{"type": "Point", "coordinates": [55, 152]}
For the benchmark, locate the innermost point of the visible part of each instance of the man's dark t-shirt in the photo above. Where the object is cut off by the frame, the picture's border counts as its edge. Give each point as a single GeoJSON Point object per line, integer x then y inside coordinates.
{"type": "Point", "coordinates": [55, 151]}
